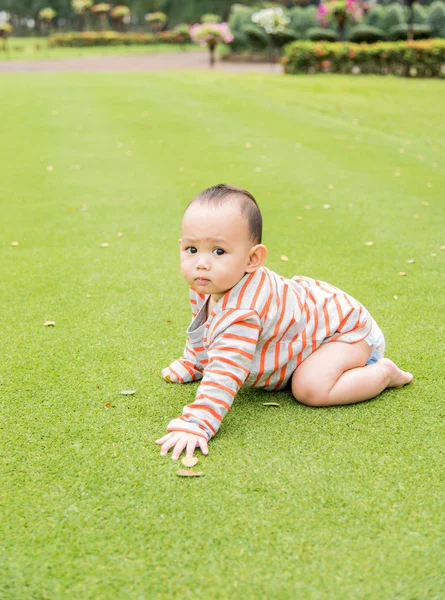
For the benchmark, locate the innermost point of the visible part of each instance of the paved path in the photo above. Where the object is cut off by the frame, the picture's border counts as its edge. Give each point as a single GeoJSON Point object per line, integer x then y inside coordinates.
{"type": "Point", "coordinates": [137, 62]}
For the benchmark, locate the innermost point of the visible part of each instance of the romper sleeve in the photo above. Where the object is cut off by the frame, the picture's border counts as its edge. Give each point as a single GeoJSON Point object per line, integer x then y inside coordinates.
{"type": "Point", "coordinates": [187, 368]}
{"type": "Point", "coordinates": [233, 337]}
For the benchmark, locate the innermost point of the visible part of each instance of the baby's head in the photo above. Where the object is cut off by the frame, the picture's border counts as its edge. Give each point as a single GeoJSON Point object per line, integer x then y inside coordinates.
{"type": "Point", "coordinates": [221, 239]}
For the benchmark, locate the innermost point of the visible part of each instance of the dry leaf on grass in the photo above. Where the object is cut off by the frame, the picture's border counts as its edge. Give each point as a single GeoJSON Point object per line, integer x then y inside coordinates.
{"type": "Point", "coordinates": [299, 218]}
{"type": "Point", "coordinates": [410, 261]}
{"type": "Point", "coordinates": [425, 203]}
{"type": "Point", "coordinates": [104, 245]}
{"type": "Point", "coordinates": [326, 206]}
{"type": "Point", "coordinates": [189, 461]}
{"type": "Point", "coordinates": [284, 258]}
{"type": "Point", "coordinates": [248, 145]}
{"type": "Point", "coordinates": [107, 405]}
{"type": "Point", "coordinates": [119, 234]}
{"type": "Point", "coordinates": [50, 168]}
{"type": "Point", "coordinates": [128, 392]}
{"type": "Point", "coordinates": [369, 243]}
{"type": "Point", "coordinates": [270, 404]}
{"type": "Point", "coordinates": [330, 186]}
{"type": "Point", "coordinates": [49, 324]}
{"type": "Point", "coordinates": [442, 248]}
{"type": "Point", "coordinates": [187, 473]}
{"type": "Point", "coordinates": [395, 297]}
{"type": "Point", "coordinates": [15, 244]}
{"type": "Point", "coordinates": [402, 273]}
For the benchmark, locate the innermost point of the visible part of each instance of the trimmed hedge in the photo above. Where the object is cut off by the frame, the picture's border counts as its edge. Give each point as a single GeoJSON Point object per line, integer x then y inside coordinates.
{"type": "Point", "coordinates": [366, 33]}
{"type": "Point", "coordinates": [408, 59]}
{"type": "Point", "coordinates": [400, 32]}
{"type": "Point", "coordinates": [113, 38]}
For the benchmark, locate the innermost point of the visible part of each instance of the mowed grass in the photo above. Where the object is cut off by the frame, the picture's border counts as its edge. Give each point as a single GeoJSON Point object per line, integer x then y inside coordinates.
{"type": "Point", "coordinates": [35, 48]}
{"type": "Point", "coordinates": [344, 502]}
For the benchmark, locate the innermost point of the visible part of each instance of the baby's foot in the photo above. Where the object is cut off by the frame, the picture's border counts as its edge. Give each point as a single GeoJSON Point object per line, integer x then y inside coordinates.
{"type": "Point", "coordinates": [396, 377]}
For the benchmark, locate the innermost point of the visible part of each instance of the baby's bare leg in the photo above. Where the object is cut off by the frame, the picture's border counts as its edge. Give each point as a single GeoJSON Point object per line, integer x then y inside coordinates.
{"type": "Point", "coordinates": [336, 374]}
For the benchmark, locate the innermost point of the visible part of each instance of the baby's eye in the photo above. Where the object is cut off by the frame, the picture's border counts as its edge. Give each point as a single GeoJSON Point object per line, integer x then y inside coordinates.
{"type": "Point", "coordinates": [219, 251]}
{"type": "Point", "coordinates": [191, 250]}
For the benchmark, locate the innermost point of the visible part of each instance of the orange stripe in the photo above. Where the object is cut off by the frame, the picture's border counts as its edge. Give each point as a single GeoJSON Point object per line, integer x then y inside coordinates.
{"type": "Point", "coordinates": [177, 375]}
{"type": "Point", "coordinates": [250, 325]}
{"type": "Point", "coordinates": [226, 374]}
{"type": "Point", "coordinates": [311, 297]}
{"type": "Point", "coordinates": [243, 289]}
{"type": "Point", "coordinates": [220, 386]}
{"type": "Point", "coordinates": [187, 367]}
{"type": "Point", "coordinates": [303, 347]}
{"type": "Point", "coordinates": [230, 362]}
{"type": "Point", "coordinates": [345, 320]}
{"type": "Point", "coordinates": [187, 431]}
{"type": "Point", "coordinates": [200, 349]}
{"type": "Point", "coordinates": [259, 288]}
{"type": "Point", "coordinates": [339, 310]}
{"type": "Point", "coordinates": [207, 408]}
{"type": "Point", "coordinates": [314, 333]}
{"type": "Point", "coordinates": [269, 300]}
{"type": "Point", "coordinates": [214, 400]}
{"type": "Point", "coordinates": [204, 421]}
{"type": "Point", "coordinates": [236, 350]}
{"type": "Point", "coordinates": [193, 302]}
{"type": "Point", "coordinates": [326, 319]}
{"type": "Point", "coordinates": [242, 338]}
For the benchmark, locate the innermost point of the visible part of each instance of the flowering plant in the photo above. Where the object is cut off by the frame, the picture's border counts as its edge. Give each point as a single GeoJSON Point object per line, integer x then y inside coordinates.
{"type": "Point", "coordinates": [156, 16]}
{"type": "Point", "coordinates": [210, 33]}
{"type": "Point", "coordinates": [102, 7]}
{"type": "Point", "coordinates": [344, 8]}
{"type": "Point", "coordinates": [272, 20]}
{"type": "Point", "coordinates": [118, 12]}
{"type": "Point", "coordinates": [80, 6]}
{"type": "Point", "coordinates": [47, 14]}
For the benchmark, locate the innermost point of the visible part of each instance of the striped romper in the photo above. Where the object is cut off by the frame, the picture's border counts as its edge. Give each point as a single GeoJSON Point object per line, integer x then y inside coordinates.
{"type": "Point", "coordinates": [258, 333]}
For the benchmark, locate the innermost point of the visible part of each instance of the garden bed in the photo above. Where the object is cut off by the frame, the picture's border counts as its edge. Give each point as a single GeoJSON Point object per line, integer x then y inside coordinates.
{"type": "Point", "coordinates": [114, 38]}
{"type": "Point", "coordinates": [408, 59]}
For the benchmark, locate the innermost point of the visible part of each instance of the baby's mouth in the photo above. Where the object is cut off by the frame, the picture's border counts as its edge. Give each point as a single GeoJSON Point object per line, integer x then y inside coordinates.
{"type": "Point", "coordinates": [202, 280]}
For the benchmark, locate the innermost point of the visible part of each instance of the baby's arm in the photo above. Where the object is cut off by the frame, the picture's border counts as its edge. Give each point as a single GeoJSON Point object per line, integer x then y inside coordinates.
{"type": "Point", "coordinates": [232, 342]}
{"type": "Point", "coordinates": [185, 369]}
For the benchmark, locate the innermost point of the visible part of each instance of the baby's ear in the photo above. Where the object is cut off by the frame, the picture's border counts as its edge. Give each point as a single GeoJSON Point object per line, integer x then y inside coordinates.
{"type": "Point", "coordinates": [257, 257]}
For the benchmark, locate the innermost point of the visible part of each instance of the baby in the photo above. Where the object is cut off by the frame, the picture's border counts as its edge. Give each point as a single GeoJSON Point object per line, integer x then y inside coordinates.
{"type": "Point", "coordinates": [255, 328]}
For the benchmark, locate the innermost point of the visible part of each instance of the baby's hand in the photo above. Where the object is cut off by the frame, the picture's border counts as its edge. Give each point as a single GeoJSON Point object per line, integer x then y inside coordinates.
{"type": "Point", "coordinates": [169, 376]}
{"type": "Point", "coordinates": [180, 441]}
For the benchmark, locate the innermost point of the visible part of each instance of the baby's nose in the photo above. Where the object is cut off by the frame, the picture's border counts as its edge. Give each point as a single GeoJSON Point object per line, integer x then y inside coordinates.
{"type": "Point", "coordinates": [203, 263]}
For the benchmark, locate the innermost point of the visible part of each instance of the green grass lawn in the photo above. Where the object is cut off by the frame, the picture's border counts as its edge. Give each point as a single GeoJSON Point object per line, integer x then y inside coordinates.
{"type": "Point", "coordinates": [296, 503]}
{"type": "Point", "coordinates": [37, 48]}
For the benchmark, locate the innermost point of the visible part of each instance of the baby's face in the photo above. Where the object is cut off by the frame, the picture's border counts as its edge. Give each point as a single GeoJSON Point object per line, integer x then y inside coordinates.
{"type": "Point", "coordinates": [215, 247]}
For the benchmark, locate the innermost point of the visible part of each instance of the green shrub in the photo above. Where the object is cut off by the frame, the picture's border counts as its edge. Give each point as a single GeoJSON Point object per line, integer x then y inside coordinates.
{"type": "Point", "coordinates": [113, 38]}
{"type": "Point", "coordinates": [302, 19]}
{"type": "Point", "coordinates": [420, 14]}
{"type": "Point", "coordinates": [256, 35]}
{"type": "Point", "coordinates": [308, 20]}
{"type": "Point", "coordinates": [400, 32]}
{"type": "Point", "coordinates": [393, 15]}
{"type": "Point", "coordinates": [316, 34]}
{"type": "Point", "coordinates": [284, 37]}
{"type": "Point", "coordinates": [410, 59]}
{"type": "Point", "coordinates": [436, 18]}
{"type": "Point", "coordinates": [366, 33]}
{"type": "Point", "coordinates": [374, 18]}
{"type": "Point", "coordinates": [240, 17]}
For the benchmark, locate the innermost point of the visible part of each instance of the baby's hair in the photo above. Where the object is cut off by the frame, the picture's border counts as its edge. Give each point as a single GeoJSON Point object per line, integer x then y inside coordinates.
{"type": "Point", "coordinates": [221, 193]}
